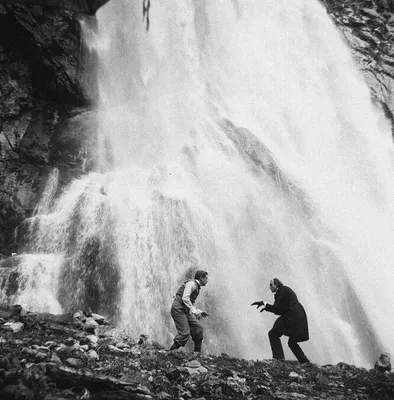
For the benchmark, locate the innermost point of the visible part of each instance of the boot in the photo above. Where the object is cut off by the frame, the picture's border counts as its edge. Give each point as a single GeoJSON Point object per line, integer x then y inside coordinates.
{"type": "Point", "coordinates": [197, 347]}
{"type": "Point", "coordinates": [175, 346]}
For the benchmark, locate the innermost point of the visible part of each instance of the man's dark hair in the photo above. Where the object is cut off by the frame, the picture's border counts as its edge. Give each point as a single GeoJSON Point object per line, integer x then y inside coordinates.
{"type": "Point", "coordinates": [277, 282]}
{"type": "Point", "coordinates": [200, 274]}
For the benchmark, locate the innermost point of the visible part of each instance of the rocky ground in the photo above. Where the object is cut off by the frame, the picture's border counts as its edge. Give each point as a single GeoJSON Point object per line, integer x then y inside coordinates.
{"type": "Point", "coordinates": [49, 357]}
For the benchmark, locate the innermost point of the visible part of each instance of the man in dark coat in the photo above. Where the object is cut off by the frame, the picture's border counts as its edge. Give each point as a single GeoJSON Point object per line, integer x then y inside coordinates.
{"type": "Point", "coordinates": [292, 322]}
{"type": "Point", "coordinates": [185, 315]}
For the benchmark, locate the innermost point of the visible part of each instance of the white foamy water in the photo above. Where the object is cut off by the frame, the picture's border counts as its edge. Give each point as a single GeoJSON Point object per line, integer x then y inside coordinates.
{"type": "Point", "coordinates": [33, 282]}
{"type": "Point", "coordinates": [236, 137]}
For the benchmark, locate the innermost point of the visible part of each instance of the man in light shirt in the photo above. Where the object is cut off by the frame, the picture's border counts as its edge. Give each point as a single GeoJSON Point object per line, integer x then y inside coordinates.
{"type": "Point", "coordinates": [185, 315]}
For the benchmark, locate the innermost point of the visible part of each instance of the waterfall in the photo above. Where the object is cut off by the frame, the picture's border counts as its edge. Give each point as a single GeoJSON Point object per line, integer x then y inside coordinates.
{"type": "Point", "coordinates": [236, 137]}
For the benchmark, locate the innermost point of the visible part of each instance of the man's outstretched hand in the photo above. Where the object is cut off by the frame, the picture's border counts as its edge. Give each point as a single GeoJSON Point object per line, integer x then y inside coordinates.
{"type": "Point", "coordinates": [202, 314]}
{"type": "Point", "coordinates": [259, 304]}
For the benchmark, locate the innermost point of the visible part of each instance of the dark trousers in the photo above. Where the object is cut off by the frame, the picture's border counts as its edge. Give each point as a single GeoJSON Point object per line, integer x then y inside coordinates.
{"type": "Point", "coordinates": [187, 325]}
{"type": "Point", "coordinates": [278, 330]}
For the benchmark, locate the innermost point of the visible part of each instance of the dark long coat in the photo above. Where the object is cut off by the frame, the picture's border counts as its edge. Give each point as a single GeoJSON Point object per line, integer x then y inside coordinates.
{"type": "Point", "coordinates": [291, 310]}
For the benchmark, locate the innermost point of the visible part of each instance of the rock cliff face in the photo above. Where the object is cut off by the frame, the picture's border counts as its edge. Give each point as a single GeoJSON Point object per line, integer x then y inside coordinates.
{"type": "Point", "coordinates": [48, 90]}
{"type": "Point", "coordinates": [45, 98]}
{"type": "Point", "coordinates": [368, 27]}
{"type": "Point", "coordinates": [81, 6]}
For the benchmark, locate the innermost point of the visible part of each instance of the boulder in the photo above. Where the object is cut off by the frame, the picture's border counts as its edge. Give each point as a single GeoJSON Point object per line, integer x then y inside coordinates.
{"type": "Point", "coordinates": [16, 392]}
{"type": "Point", "coordinates": [383, 363]}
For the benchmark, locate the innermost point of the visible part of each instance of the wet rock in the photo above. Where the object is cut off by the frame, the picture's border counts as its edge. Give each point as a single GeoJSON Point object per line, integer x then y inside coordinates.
{"type": "Point", "coordinates": [342, 365]}
{"type": "Point", "coordinates": [73, 362]}
{"type": "Point", "coordinates": [4, 315]}
{"type": "Point", "coordinates": [163, 396]}
{"type": "Point", "coordinates": [16, 392]}
{"type": "Point", "coordinates": [92, 355]}
{"type": "Point", "coordinates": [13, 326]}
{"type": "Point", "coordinates": [294, 376]}
{"type": "Point", "coordinates": [79, 316]}
{"type": "Point", "coordinates": [91, 323]}
{"type": "Point", "coordinates": [173, 374]}
{"type": "Point", "coordinates": [92, 340]}
{"type": "Point", "coordinates": [322, 379]}
{"type": "Point", "coordinates": [122, 346]}
{"type": "Point", "coordinates": [99, 319]}
{"type": "Point", "coordinates": [238, 384]}
{"type": "Point", "coordinates": [193, 364]}
{"type": "Point", "coordinates": [108, 332]}
{"type": "Point", "coordinates": [86, 7]}
{"type": "Point", "coordinates": [16, 310]}
{"type": "Point", "coordinates": [55, 359]}
{"type": "Point", "coordinates": [118, 395]}
{"type": "Point", "coordinates": [157, 345]}
{"type": "Point", "coordinates": [118, 350]}
{"type": "Point", "coordinates": [383, 363]}
{"type": "Point", "coordinates": [69, 341]}
{"type": "Point", "coordinates": [291, 395]}
{"type": "Point", "coordinates": [34, 355]}
{"type": "Point", "coordinates": [144, 340]}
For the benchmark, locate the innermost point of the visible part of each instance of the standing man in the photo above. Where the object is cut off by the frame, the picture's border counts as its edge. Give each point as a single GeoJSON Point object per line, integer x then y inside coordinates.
{"type": "Point", "coordinates": [185, 315]}
{"type": "Point", "coordinates": [292, 322]}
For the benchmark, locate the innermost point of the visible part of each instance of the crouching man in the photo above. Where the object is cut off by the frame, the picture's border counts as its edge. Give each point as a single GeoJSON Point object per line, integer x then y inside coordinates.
{"type": "Point", "coordinates": [185, 315]}
{"type": "Point", "coordinates": [292, 322]}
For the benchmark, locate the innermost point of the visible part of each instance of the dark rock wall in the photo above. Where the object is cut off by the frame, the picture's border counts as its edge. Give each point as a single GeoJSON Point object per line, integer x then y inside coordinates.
{"type": "Point", "coordinates": [48, 88]}
{"type": "Point", "coordinates": [46, 93]}
{"type": "Point", "coordinates": [81, 6]}
{"type": "Point", "coordinates": [368, 27]}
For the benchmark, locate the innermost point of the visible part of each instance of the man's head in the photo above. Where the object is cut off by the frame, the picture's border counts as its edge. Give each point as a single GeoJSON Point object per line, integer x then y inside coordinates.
{"type": "Point", "coordinates": [202, 277]}
{"type": "Point", "coordinates": [275, 284]}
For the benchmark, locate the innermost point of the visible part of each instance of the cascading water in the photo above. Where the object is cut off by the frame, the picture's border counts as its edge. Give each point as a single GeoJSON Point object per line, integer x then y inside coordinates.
{"type": "Point", "coordinates": [236, 137]}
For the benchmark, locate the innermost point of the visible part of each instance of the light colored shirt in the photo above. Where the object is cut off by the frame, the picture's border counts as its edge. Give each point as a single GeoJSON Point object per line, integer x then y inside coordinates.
{"type": "Point", "coordinates": [190, 287]}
